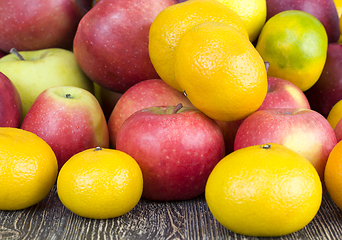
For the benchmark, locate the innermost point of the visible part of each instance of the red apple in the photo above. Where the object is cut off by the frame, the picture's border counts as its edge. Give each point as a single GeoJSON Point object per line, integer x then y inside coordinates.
{"type": "Point", "coordinates": [38, 24]}
{"type": "Point", "coordinates": [302, 130]}
{"type": "Point", "coordinates": [327, 90]}
{"type": "Point", "coordinates": [175, 149]}
{"type": "Point", "coordinates": [283, 94]}
{"type": "Point", "coordinates": [149, 93]}
{"type": "Point", "coordinates": [69, 119]}
{"type": "Point", "coordinates": [111, 42]}
{"type": "Point", "coordinates": [280, 94]}
{"type": "Point", "coordinates": [10, 103]}
{"type": "Point", "coordinates": [338, 131]}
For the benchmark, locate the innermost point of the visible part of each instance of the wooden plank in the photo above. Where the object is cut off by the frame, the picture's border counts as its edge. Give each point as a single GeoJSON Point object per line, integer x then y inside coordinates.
{"type": "Point", "coordinates": [190, 220]}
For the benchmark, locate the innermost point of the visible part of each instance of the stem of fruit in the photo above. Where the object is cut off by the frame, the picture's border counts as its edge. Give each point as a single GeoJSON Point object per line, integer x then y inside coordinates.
{"type": "Point", "coordinates": [177, 108]}
{"type": "Point", "coordinates": [15, 52]}
{"type": "Point", "coordinates": [267, 65]}
{"type": "Point", "coordinates": [97, 149]}
{"type": "Point", "coordinates": [266, 146]}
{"type": "Point", "coordinates": [68, 95]}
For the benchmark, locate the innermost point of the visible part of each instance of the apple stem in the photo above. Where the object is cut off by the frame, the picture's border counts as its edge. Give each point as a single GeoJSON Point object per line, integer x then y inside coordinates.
{"type": "Point", "coordinates": [267, 65]}
{"type": "Point", "coordinates": [177, 108]}
{"type": "Point", "coordinates": [15, 52]}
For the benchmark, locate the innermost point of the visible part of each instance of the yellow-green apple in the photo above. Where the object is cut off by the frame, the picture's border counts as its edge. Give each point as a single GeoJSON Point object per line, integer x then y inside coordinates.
{"type": "Point", "coordinates": [107, 99]}
{"type": "Point", "coordinates": [327, 90]}
{"type": "Point", "coordinates": [38, 24]}
{"type": "Point", "coordinates": [283, 94]}
{"type": "Point", "coordinates": [176, 148]}
{"type": "Point", "coordinates": [302, 130]}
{"type": "Point", "coordinates": [324, 10]}
{"type": "Point", "coordinates": [41, 69]}
{"type": "Point", "coordinates": [111, 42]}
{"type": "Point", "coordinates": [148, 93]}
{"type": "Point", "coordinates": [69, 119]}
{"type": "Point", "coordinates": [10, 103]}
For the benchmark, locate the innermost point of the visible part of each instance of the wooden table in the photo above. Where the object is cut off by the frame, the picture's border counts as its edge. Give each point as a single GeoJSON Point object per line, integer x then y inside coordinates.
{"type": "Point", "coordinates": [190, 219]}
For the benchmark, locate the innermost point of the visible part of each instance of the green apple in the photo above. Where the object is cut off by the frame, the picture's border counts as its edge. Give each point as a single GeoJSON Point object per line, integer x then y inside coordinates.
{"type": "Point", "coordinates": [34, 71]}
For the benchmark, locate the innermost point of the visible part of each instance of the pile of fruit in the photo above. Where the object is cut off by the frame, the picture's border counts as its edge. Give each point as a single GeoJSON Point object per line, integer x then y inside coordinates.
{"type": "Point", "coordinates": [115, 100]}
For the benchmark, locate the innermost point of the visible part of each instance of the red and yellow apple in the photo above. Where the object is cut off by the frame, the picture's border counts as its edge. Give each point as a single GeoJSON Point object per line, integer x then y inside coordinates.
{"type": "Point", "coordinates": [176, 149]}
{"type": "Point", "coordinates": [280, 94]}
{"type": "Point", "coordinates": [69, 119]}
{"type": "Point", "coordinates": [149, 93]}
{"type": "Point", "coordinates": [283, 94]}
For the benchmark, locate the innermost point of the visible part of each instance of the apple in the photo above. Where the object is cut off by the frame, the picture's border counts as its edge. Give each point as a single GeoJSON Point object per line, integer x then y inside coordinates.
{"type": "Point", "coordinates": [283, 94]}
{"type": "Point", "coordinates": [338, 130]}
{"type": "Point", "coordinates": [302, 130]}
{"type": "Point", "coordinates": [327, 90]}
{"type": "Point", "coordinates": [69, 119]}
{"type": "Point", "coordinates": [324, 10]}
{"type": "Point", "coordinates": [111, 42]}
{"type": "Point", "coordinates": [10, 103]}
{"type": "Point", "coordinates": [176, 148]}
{"type": "Point", "coordinates": [280, 94]}
{"type": "Point", "coordinates": [148, 93]}
{"type": "Point", "coordinates": [38, 24]}
{"type": "Point", "coordinates": [41, 69]}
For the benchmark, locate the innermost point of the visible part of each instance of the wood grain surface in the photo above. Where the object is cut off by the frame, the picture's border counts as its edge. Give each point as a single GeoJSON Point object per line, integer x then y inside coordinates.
{"type": "Point", "coordinates": [148, 220]}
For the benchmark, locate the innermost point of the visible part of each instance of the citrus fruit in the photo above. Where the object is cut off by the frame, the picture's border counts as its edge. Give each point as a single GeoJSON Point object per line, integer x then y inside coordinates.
{"type": "Point", "coordinates": [333, 174]}
{"type": "Point", "coordinates": [264, 190]}
{"type": "Point", "coordinates": [335, 114]}
{"type": "Point", "coordinates": [28, 169]}
{"type": "Point", "coordinates": [295, 44]}
{"type": "Point", "coordinates": [338, 4]}
{"type": "Point", "coordinates": [100, 183]}
{"type": "Point", "coordinates": [172, 22]}
{"type": "Point", "coordinates": [252, 12]}
{"type": "Point", "coordinates": [220, 71]}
